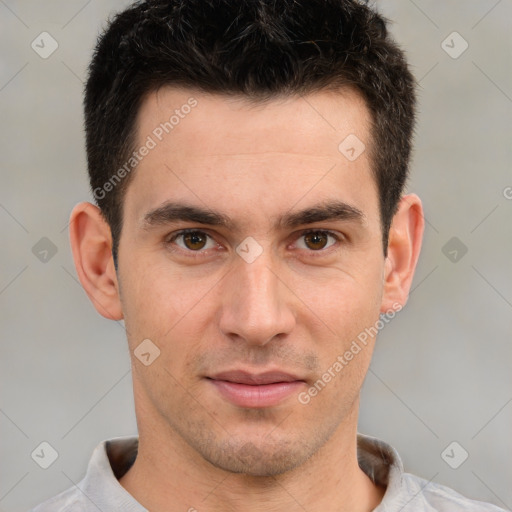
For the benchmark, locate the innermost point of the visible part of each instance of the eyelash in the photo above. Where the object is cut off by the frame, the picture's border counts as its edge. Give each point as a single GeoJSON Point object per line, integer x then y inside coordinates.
{"type": "Point", "coordinates": [201, 253]}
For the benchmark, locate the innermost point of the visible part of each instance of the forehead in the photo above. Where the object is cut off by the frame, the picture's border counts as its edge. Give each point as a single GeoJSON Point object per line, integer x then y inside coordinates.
{"type": "Point", "coordinates": [321, 117]}
{"type": "Point", "coordinates": [216, 148]}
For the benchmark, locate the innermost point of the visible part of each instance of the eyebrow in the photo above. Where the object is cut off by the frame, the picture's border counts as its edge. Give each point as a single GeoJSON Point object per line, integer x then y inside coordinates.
{"type": "Point", "coordinates": [172, 212]}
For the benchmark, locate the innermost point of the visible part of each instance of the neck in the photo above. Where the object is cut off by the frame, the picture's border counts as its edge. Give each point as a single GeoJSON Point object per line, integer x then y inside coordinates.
{"type": "Point", "coordinates": [169, 476]}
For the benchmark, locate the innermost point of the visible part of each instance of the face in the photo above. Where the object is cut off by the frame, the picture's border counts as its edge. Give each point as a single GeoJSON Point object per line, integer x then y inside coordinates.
{"type": "Point", "coordinates": [251, 257]}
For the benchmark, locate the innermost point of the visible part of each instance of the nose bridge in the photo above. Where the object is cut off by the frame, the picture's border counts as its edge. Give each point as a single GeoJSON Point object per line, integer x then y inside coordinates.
{"type": "Point", "coordinates": [260, 282]}
{"type": "Point", "coordinates": [256, 303]}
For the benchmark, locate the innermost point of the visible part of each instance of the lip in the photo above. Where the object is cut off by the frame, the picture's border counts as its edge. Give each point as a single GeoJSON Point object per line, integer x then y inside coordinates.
{"type": "Point", "coordinates": [252, 390]}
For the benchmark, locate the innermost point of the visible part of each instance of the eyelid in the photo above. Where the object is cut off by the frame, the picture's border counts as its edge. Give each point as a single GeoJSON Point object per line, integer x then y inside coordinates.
{"type": "Point", "coordinates": [334, 234]}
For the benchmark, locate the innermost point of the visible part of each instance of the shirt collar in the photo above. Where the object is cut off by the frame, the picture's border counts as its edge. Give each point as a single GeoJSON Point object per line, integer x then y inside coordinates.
{"type": "Point", "coordinates": [110, 460]}
{"type": "Point", "coordinates": [381, 462]}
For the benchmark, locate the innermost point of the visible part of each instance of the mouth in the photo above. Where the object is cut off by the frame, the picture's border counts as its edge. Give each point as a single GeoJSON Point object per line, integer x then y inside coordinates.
{"type": "Point", "coordinates": [251, 390]}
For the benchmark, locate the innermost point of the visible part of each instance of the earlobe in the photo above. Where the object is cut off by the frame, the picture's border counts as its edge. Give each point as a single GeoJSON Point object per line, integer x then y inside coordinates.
{"type": "Point", "coordinates": [91, 243]}
{"type": "Point", "coordinates": [405, 237]}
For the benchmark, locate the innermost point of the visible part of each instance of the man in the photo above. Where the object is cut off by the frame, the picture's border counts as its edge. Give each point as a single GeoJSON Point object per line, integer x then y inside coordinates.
{"type": "Point", "coordinates": [248, 161]}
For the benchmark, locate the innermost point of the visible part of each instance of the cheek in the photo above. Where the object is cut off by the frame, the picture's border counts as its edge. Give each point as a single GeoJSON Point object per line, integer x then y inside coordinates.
{"type": "Point", "coordinates": [348, 307]}
{"type": "Point", "coordinates": [345, 301]}
{"type": "Point", "coordinates": [156, 298]}
{"type": "Point", "coordinates": [344, 344]}
{"type": "Point", "coordinates": [174, 312]}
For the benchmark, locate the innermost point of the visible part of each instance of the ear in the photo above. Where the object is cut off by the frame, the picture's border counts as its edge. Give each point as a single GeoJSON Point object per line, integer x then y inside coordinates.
{"type": "Point", "coordinates": [91, 243]}
{"type": "Point", "coordinates": [405, 236]}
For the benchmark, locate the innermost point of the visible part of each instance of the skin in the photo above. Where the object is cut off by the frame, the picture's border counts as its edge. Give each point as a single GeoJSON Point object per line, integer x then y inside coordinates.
{"type": "Point", "coordinates": [295, 308]}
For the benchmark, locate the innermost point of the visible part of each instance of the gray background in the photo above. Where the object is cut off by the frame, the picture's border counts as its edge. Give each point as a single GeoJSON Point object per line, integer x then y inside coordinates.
{"type": "Point", "coordinates": [441, 372]}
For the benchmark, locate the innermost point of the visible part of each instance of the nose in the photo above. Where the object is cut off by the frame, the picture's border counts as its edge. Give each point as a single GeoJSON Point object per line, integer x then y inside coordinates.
{"type": "Point", "coordinates": [257, 306]}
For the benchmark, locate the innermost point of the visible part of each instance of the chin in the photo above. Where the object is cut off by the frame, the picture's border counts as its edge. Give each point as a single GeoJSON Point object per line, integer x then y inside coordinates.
{"type": "Point", "coordinates": [252, 459]}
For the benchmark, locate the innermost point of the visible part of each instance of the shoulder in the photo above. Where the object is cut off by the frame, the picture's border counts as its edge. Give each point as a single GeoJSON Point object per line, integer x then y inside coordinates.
{"type": "Point", "coordinates": [423, 495]}
{"type": "Point", "coordinates": [99, 485]}
{"type": "Point", "coordinates": [67, 501]}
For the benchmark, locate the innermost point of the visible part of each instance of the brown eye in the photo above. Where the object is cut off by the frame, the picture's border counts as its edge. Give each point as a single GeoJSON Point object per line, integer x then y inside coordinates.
{"type": "Point", "coordinates": [195, 240]}
{"type": "Point", "coordinates": [192, 243]}
{"type": "Point", "coordinates": [315, 241]}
